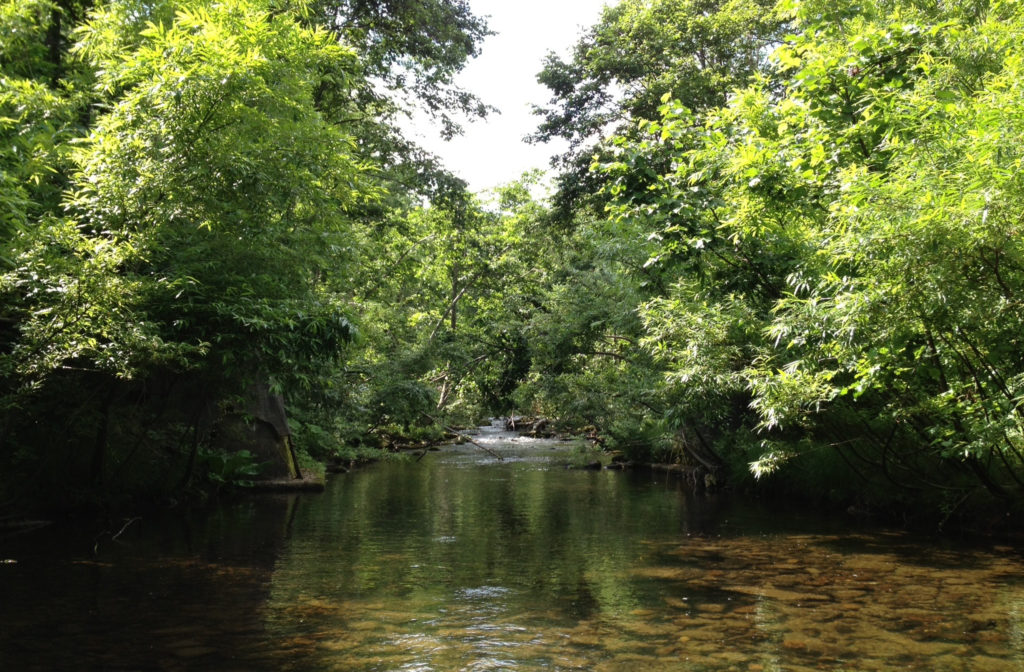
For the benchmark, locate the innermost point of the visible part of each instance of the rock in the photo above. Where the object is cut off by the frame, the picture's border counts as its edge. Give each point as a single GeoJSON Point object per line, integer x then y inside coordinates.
{"type": "Point", "coordinates": [594, 466]}
{"type": "Point", "coordinates": [308, 482]}
{"type": "Point", "coordinates": [262, 429]}
{"type": "Point", "coordinates": [988, 663]}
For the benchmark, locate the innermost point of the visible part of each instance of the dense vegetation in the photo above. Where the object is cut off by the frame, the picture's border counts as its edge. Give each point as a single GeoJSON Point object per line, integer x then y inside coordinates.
{"type": "Point", "coordinates": [783, 250]}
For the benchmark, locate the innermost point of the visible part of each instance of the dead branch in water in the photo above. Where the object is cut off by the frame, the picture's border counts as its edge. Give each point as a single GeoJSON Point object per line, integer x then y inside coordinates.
{"type": "Point", "coordinates": [483, 448]}
{"type": "Point", "coordinates": [464, 437]}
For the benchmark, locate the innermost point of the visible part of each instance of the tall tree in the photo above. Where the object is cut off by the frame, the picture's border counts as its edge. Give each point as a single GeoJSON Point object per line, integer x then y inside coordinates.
{"type": "Point", "coordinates": [414, 48]}
{"type": "Point", "coordinates": [841, 262]}
{"type": "Point", "coordinates": [696, 51]}
{"type": "Point", "coordinates": [204, 203]}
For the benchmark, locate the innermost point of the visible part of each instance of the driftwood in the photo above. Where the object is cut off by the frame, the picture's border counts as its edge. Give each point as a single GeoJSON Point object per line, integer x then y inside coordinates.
{"type": "Point", "coordinates": [469, 440]}
{"type": "Point", "coordinates": [465, 438]}
{"type": "Point", "coordinates": [530, 426]}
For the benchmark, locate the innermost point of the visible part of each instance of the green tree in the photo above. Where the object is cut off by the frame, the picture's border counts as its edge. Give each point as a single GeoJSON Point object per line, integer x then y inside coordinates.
{"type": "Point", "coordinates": [415, 49]}
{"type": "Point", "coordinates": [452, 288]}
{"type": "Point", "coordinates": [841, 263]}
{"type": "Point", "coordinates": [695, 51]}
{"type": "Point", "coordinates": [205, 202]}
{"type": "Point", "coordinates": [915, 320]}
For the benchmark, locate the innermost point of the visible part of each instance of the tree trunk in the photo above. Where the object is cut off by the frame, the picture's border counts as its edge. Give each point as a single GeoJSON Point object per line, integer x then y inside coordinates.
{"type": "Point", "coordinates": [54, 45]}
{"type": "Point", "coordinates": [99, 451]}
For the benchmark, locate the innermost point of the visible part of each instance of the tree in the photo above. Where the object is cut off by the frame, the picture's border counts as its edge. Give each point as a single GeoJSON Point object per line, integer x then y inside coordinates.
{"type": "Point", "coordinates": [836, 236]}
{"type": "Point", "coordinates": [414, 48]}
{"type": "Point", "coordinates": [695, 51]}
{"type": "Point", "coordinates": [206, 200]}
{"type": "Point", "coordinates": [917, 312]}
{"type": "Point", "coordinates": [447, 300]}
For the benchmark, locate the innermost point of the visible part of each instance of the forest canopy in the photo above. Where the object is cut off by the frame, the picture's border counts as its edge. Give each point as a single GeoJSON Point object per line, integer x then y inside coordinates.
{"type": "Point", "coordinates": [783, 248]}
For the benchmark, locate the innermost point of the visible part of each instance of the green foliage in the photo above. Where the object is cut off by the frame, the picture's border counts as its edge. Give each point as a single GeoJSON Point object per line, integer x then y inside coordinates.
{"type": "Point", "coordinates": [154, 271]}
{"type": "Point", "coordinates": [690, 50]}
{"type": "Point", "coordinates": [796, 264]}
{"type": "Point", "coordinates": [835, 253]}
{"type": "Point", "coordinates": [694, 50]}
{"type": "Point", "coordinates": [39, 115]}
{"type": "Point", "coordinates": [74, 309]}
{"type": "Point", "coordinates": [185, 230]}
{"type": "Point", "coordinates": [404, 402]}
{"type": "Point", "coordinates": [223, 469]}
{"type": "Point", "coordinates": [415, 48]}
{"type": "Point", "coordinates": [448, 297]}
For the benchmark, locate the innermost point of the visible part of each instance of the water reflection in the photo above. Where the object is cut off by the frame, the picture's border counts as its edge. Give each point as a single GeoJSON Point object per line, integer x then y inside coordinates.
{"type": "Point", "coordinates": [464, 562]}
{"type": "Point", "coordinates": [177, 592]}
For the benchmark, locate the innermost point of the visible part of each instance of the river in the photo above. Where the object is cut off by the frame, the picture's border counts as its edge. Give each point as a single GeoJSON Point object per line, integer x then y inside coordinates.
{"type": "Point", "coordinates": [461, 561]}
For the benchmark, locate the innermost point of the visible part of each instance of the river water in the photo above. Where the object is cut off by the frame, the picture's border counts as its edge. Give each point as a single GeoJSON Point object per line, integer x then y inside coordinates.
{"type": "Point", "coordinates": [461, 561]}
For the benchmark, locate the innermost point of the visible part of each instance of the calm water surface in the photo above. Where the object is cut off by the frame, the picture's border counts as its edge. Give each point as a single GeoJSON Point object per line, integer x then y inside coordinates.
{"type": "Point", "coordinates": [464, 562]}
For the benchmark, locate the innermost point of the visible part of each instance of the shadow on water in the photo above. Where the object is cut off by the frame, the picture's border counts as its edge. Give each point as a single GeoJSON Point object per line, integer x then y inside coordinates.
{"type": "Point", "coordinates": [465, 562]}
{"type": "Point", "coordinates": [172, 592]}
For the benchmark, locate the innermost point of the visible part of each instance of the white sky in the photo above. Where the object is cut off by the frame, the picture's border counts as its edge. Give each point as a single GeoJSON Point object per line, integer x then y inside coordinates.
{"type": "Point", "coordinates": [492, 151]}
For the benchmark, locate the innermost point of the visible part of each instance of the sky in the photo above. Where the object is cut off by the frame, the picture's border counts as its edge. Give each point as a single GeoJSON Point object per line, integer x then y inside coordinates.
{"type": "Point", "coordinates": [492, 151]}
